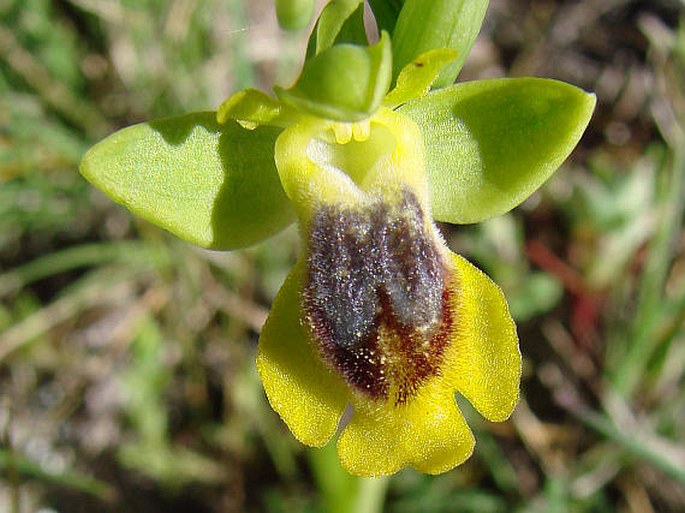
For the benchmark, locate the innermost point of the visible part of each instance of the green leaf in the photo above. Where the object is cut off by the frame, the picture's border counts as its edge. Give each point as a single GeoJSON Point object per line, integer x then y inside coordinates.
{"type": "Point", "coordinates": [294, 14]}
{"type": "Point", "coordinates": [427, 24]}
{"type": "Point", "coordinates": [416, 78]}
{"type": "Point", "coordinates": [344, 83]}
{"type": "Point", "coordinates": [491, 143]}
{"type": "Point", "coordinates": [386, 13]}
{"type": "Point", "coordinates": [213, 185]}
{"type": "Point", "coordinates": [341, 21]}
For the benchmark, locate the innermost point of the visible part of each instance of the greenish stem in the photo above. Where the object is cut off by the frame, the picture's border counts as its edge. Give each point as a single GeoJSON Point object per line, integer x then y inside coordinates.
{"type": "Point", "coordinates": [342, 492]}
{"type": "Point", "coordinates": [371, 494]}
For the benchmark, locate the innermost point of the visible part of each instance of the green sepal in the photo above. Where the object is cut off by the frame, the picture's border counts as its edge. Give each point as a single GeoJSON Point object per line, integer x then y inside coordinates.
{"type": "Point", "coordinates": [386, 13]}
{"type": "Point", "coordinates": [491, 143]}
{"type": "Point", "coordinates": [294, 14]}
{"type": "Point", "coordinates": [426, 24]}
{"type": "Point", "coordinates": [341, 21]}
{"type": "Point", "coordinates": [344, 83]}
{"type": "Point", "coordinates": [416, 78]}
{"type": "Point", "coordinates": [213, 185]}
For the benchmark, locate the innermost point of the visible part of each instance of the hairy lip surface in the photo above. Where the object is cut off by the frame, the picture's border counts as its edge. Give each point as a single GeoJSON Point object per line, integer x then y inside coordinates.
{"type": "Point", "coordinates": [376, 299]}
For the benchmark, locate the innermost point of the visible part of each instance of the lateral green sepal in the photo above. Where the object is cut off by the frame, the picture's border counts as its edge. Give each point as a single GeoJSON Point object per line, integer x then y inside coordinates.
{"type": "Point", "coordinates": [213, 185]}
{"type": "Point", "coordinates": [491, 143]}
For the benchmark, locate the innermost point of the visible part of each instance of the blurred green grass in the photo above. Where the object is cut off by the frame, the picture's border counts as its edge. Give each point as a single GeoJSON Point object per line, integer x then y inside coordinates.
{"type": "Point", "coordinates": [127, 377]}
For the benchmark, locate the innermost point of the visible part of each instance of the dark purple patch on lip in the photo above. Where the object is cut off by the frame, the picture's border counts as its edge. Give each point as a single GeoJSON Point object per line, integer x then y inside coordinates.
{"type": "Point", "coordinates": [371, 270]}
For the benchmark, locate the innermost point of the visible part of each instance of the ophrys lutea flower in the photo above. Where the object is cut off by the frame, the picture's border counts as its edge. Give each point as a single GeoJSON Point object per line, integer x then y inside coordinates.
{"type": "Point", "coordinates": [378, 317]}
{"type": "Point", "coordinates": [378, 313]}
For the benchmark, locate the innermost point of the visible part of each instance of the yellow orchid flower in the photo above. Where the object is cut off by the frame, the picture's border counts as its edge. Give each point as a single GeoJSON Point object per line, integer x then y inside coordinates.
{"type": "Point", "coordinates": [378, 313]}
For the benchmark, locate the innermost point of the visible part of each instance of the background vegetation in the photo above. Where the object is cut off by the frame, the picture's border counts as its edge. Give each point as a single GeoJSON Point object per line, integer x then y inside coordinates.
{"type": "Point", "coordinates": [127, 378]}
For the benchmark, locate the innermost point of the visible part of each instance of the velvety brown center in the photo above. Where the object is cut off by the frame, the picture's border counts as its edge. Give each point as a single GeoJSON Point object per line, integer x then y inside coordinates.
{"type": "Point", "coordinates": [375, 298]}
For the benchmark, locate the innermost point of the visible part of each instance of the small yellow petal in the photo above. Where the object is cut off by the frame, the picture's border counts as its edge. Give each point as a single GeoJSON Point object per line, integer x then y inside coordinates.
{"type": "Point", "coordinates": [304, 392]}
{"type": "Point", "coordinates": [428, 433]}
{"type": "Point", "coordinates": [484, 361]}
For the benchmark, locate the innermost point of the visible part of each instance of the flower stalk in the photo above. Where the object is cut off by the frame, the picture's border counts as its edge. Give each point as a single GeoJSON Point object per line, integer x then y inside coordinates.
{"type": "Point", "coordinates": [342, 492]}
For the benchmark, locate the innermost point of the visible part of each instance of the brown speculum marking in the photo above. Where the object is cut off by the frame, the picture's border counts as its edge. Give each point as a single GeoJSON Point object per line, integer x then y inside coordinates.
{"type": "Point", "coordinates": [375, 297]}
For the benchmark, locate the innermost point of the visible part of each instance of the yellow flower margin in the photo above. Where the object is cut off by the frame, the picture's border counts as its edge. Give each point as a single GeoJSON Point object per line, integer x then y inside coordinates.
{"type": "Point", "coordinates": [322, 162]}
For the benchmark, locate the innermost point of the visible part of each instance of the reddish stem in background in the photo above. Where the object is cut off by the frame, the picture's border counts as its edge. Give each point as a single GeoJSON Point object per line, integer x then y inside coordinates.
{"type": "Point", "coordinates": [586, 303]}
